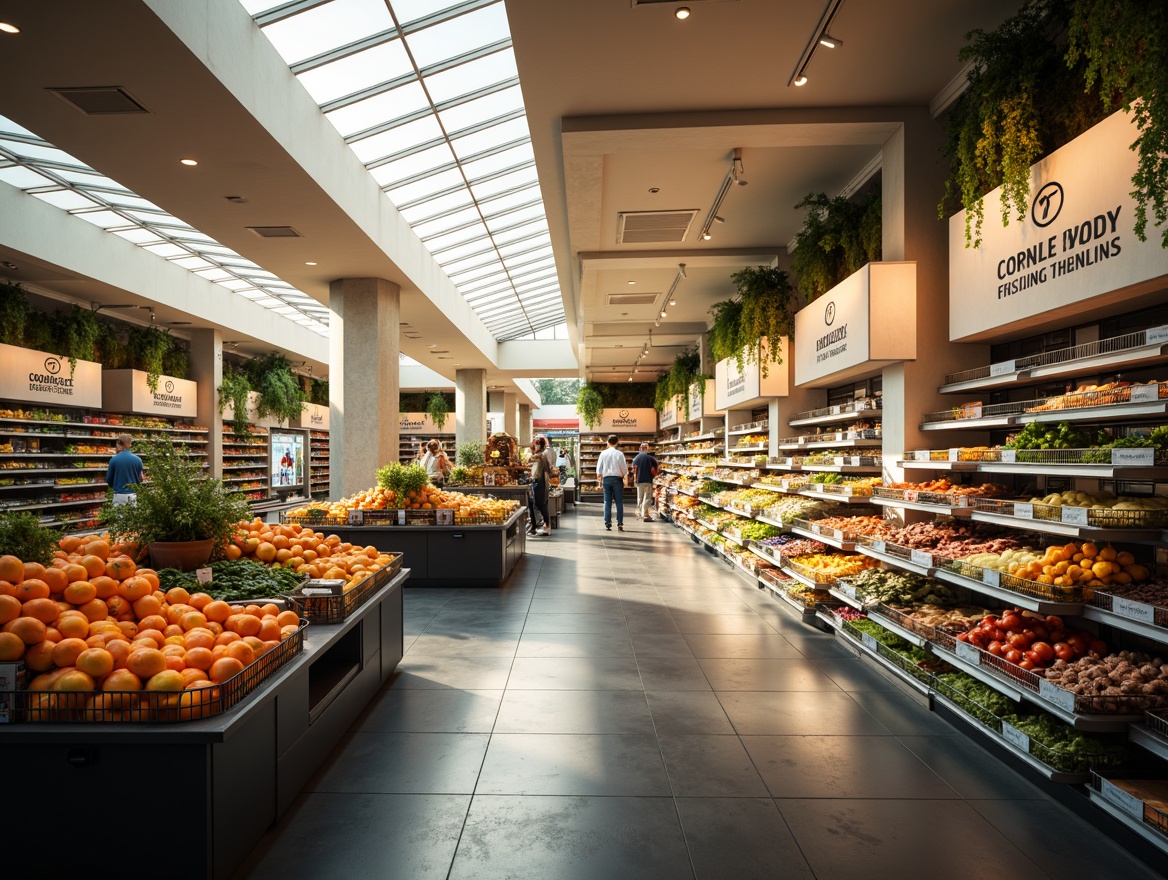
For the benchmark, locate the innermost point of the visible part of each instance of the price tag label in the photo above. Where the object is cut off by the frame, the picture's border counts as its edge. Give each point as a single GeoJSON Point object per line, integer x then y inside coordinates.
{"type": "Point", "coordinates": [954, 454]}
{"type": "Point", "coordinates": [1125, 800]}
{"type": "Point", "coordinates": [869, 641]}
{"type": "Point", "coordinates": [835, 410]}
{"type": "Point", "coordinates": [802, 440]}
{"type": "Point", "coordinates": [1015, 737]}
{"type": "Point", "coordinates": [962, 501]}
{"type": "Point", "coordinates": [1009, 456]}
{"type": "Point", "coordinates": [1056, 696]}
{"type": "Point", "coordinates": [1075, 516]}
{"type": "Point", "coordinates": [837, 534]}
{"type": "Point", "coordinates": [920, 557]}
{"type": "Point", "coordinates": [968, 653]}
{"type": "Point", "coordinates": [203, 575]}
{"type": "Point", "coordinates": [971, 412]}
{"type": "Point", "coordinates": [922, 455]}
{"type": "Point", "coordinates": [1024, 510]}
{"type": "Point", "coordinates": [818, 487]}
{"type": "Point", "coordinates": [912, 495]}
{"type": "Point", "coordinates": [1156, 335]}
{"type": "Point", "coordinates": [848, 590]}
{"type": "Point", "coordinates": [1138, 457]}
{"type": "Point", "coordinates": [878, 546]}
{"type": "Point", "coordinates": [356, 517]}
{"type": "Point", "coordinates": [1133, 610]}
{"type": "Point", "coordinates": [1145, 393]}
{"type": "Point", "coordinates": [401, 517]}
{"type": "Point", "coordinates": [1003, 368]}
{"type": "Point", "coordinates": [991, 577]}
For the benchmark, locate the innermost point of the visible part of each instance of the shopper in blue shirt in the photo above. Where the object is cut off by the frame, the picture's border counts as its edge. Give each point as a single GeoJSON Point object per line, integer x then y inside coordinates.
{"type": "Point", "coordinates": [645, 466]}
{"type": "Point", "coordinates": [124, 471]}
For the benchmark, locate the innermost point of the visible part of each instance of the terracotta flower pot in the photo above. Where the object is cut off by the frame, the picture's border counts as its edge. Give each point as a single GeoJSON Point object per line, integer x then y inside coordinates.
{"type": "Point", "coordinates": [183, 555]}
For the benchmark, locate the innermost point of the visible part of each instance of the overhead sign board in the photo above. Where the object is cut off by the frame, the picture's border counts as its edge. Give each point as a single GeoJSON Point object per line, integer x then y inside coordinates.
{"type": "Point", "coordinates": [865, 322]}
{"type": "Point", "coordinates": [128, 391]}
{"type": "Point", "coordinates": [420, 424]}
{"type": "Point", "coordinates": [313, 416]}
{"type": "Point", "coordinates": [627, 421]}
{"type": "Point", "coordinates": [667, 418]}
{"type": "Point", "coordinates": [738, 388]}
{"type": "Point", "coordinates": [32, 376]}
{"type": "Point", "coordinates": [1075, 248]}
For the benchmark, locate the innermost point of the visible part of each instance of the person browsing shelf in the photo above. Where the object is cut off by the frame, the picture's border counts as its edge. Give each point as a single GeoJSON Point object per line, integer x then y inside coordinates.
{"type": "Point", "coordinates": [611, 470]}
{"type": "Point", "coordinates": [124, 471]}
{"type": "Point", "coordinates": [645, 468]}
{"type": "Point", "coordinates": [436, 463]}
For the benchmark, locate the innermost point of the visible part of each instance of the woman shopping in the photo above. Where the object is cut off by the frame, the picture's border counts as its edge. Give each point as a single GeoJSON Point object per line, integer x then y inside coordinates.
{"type": "Point", "coordinates": [436, 463]}
{"type": "Point", "coordinates": [537, 498]}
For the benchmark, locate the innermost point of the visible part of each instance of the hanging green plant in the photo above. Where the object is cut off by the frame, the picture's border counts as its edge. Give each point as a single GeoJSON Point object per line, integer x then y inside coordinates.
{"type": "Point", "coordinates": [234, 391]}
{"type": "Point", "coordinates": [148, 347]}
{"type": "Point", "coordinates": [318, 392]}
{"type": "Point", "coordinates": [625, 395]}
{"type": "Point", "coordinates": [661, 395]}
{"type": "Point", "coordinates": [839, 236]}
{"type": "Point", "coordinates": [76, 331]}
{"type": "Point", "coordinates": [1124, 46]}
{"type": "Point", "coordinates": [1020, 106]}
{"type": "Point", "coordinates": [112, 351]}
{"type": "Point", "coordinates": [437, 409]}
{"type": "Point", "coordinates": [177, 360]}
{"type": "Point", "coordinates": [767, 311]}
{"type": "Point", "coordinates": [590, 405]}
{"type": "Point", "coordinates": [280, 394]}
{"type": "Point", "coordinates": [14, 312]}
{"type": "Point", "coordinates": [726, 338]}
{"type": "Point", "coordinates": [685, 371]}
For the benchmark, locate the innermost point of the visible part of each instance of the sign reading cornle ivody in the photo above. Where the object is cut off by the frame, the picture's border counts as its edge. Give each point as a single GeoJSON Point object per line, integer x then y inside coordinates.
{"type": "Point", "coordinates": [39, 377]}
{"type": "Point", "coordinates": [1075, 243]}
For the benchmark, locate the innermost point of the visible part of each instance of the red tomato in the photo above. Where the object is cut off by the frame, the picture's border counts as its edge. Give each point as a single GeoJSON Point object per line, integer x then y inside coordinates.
{"type": "Point", "coordinates": [1010, 622]}
{"type": "Point", "coordinates": [1097, 646]}
{"type": "Point", "coordinates": [1043, 650]}
{"type": "Point", "coordinates": [1054, 622]}
{"type": "Point", "coordinates": [1026, 663]}
{"type": "Point", "coordinates": [1019, 640]}
{"type": "Point", "coordinates": [995, 648]}
{"type": "Point", "coordinates": [1014, 656]}
{"type": "Point", "coordinates": [1064, 651]}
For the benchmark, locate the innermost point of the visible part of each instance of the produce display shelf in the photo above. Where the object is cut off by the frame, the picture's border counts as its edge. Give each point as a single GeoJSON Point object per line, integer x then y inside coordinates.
{"type": "Point", "coordinates": [758, 447]}
{"type": "Point", "coordinates": [1004, 594]}
{"type": "Point", "coordinates": [51, 504]}
{"type": "Point", "coordinates": [713, 450]}
{"type": "Point", "coordinates": [1127, 624]}
{"type": "Point", "coordinates": [830, 415]}
{"type": "Point", "coordinates": [48, 484]}
{"type": "Point", "coordinates": [943, 509]}
{"type": "Point", "coordinates": [726, 462]}
{"type": "Point", "coordinates": [799, 573]}
{"type": "Point", "coordinates": [73, 470]}
{"type": "Point", "coordinates": [751, 577]}
{"type": "Point", "coordinates": [1089, 413]}
{"type": "Point", "coordinates": [1052, 469]}
{"type": "Point", "coordinates": [91, 425]}
{"type": "Point", "coordinates": [847, 595]}
{"type": "Point", "coordinates": [1148, 832]}
{"type": "Point", "coordinates": [51, 454]}
{"type": "Point", "coordinates": [884, 556]}
{"type": "Point", "coordinates": [855, 443]}
{"type": "Point", "coordinates": [779, 591]}
{"type": "Point", "coordinates": [842, 542]}
{"type": "Point", "coordinates": [1053, 527]}
{"type": "Point", "coordinates": [1151, 735]}
{"type": "Point", "coordinates": [759, 551]}
{"type": "Point", "coordinates": [752, 428]}
{"type": "Point", "coordinates": [1042, 769]}
{"type": "Point", "coordinates": [860, 469]}
{"type": "Point", "coordinates": [881, 654]}
{"type": "Point", "coordinates": [892, 626]}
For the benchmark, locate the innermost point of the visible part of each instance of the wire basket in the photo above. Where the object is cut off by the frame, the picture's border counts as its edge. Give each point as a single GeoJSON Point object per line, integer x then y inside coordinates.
{"type": "Point", "coordinates": [906, 621]}
{"type": "Point", "coordinates": [1015, 584]}
{"type": "Point", "coordinates": [811, 574]}
{"type": "Point", "coordinates": [334, 609]}
{"type": "Point", "coordinates": [155, 707]}
{"type": "Point", "coordinates": [1153, 815]}
{"type": "Point", "coordinates": [313, 521]}
{"type": "Point", "coordinates": [1106, 601]}
{"type": "Point", "coordinates": [1157, 723]}
{"type": "Point", "coordinates": [1012, 673]}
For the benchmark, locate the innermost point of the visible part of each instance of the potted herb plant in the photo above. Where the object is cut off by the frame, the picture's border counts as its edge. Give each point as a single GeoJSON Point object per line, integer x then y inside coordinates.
{"type": "Point", "coordinates": [181, 517]}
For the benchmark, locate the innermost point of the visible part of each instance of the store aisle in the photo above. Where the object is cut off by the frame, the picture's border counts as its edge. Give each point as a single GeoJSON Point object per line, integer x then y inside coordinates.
{"type": "Point", "coordinates": [628, 707]}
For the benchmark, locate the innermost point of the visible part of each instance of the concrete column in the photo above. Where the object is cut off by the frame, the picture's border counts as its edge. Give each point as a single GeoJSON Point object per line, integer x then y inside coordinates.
{"type": "Point", "coordinates": [511, 414]}
{"type": "Point", "coordinates": [364, 346]}
{"type": "Point", "coordinates": [525, 429]}
{"type": "Point", "coordinates": [207, 370]}
{"type": "Point", "coordinates": [911, 231]}
{"type": "Point", "coordinates": [470, 406]}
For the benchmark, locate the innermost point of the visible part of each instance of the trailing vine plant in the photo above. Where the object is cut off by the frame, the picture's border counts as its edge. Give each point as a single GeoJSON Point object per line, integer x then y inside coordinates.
{"type": "Point", "coordinates": [280, 394]}
{"type": "Point", "coordinates": [767, 311]}
{"type": "Point", "coordinates": [76, 331]}
{"type": "Point", "coordinates": [1124, 47]}
{"type": "Point", "coordinates": [437, 409]}
{"type": "Point", "coordinates": [589, 404]}
{"type": "Point", "coordinates": [726, 338]}
{"type": "Point", "coordinates": [112, 351]}
{"type": "Point", "coordinates": [14, 312]}
{"type": "Point", "coordinates": [318, 392]}
{"type": "Point", "coordinates": [176, 361]}
{"type": "Point", "coordinates": [234, 391]}
{"type": "Point", "coordinates": [148, 347]}
{"type": "Point", "coordinates": [686, 370]}
{"type": "Point", "coordinates": [838, 237]}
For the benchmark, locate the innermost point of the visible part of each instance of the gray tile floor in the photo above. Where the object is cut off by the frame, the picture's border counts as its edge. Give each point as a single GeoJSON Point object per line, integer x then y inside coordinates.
{"type": "Point", "coordinates": [628, 707]}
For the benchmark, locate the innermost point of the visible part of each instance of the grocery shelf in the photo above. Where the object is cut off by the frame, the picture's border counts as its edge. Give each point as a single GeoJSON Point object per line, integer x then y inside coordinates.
{"type": "Point", "coordinates": [1127, 624]}
{"type": "Point", "coordinates": [871, 649]}
{"type": "Point", "coordinates": [908, 565]}
{"type": "Point", "coordinates": [752, 428]}
{"type": "Point", "coordinates": [1146, 737]}
{"type": "Point", "coordinates": [1052, 527]}
{"type": "Point", "coordinates": [871, 443]}
{"type": "Point", "coordinates": [907, 634]}
{"type": "Point", "coordinates": [840, 542]}
{"type": "Point", "coordinates": [847, 594]}
{"type": "Point", "coordinates": [836, 414]}
{"type": "Point", "coordinates": [942, 509]}
{"type": "Point", "coordinates": [1051, 469]}
{"type": "Point", "coordinates": [1138, 825]}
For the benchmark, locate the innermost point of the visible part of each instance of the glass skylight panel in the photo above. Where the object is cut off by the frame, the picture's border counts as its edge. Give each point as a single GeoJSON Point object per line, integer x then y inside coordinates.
{"type": "Point", "coordinates": [408, 11]}
{"type": "Point", "coordinates": [214, 274]}
{"type": "Point", "coordinates": [450, 221]}
{"type": "Point", "coordinates": [397, 140]}
{"type": "Point", "coordinates": [484, 109]}
{"type": "Point", "coordinates": [326, 27]}
{"type": "Point", "coordinates": [87, 179]}
{"type": "Point", "coordinates": [40, 153]}
{"type": "Point", "coordinates": [521, 245]}
{"type": "Point", "coordinates": [440, 243]}
{"type": "Point", "coordinates": [436, 183]}
{"type": "Point", "coordinates": [459, 35]}
{"type": "Point", "coordinates": [351, 74]}
{"type": "Point", "coordinates": [138, 235]}
{"type": "Point", "coordinates": [66, 199]}
{"type": "Point", "coordinates": [424, 162]}
{"type": "Point", "coordinates": [166, 249]}
{"type": "Point", "coordinates": [488, 186]}
{"type": "Point", "coordinates": [191, 263]}
{"type": "Point", "coordinates": [447, 85]}
{"type": "Point", "coordinates": [363, 115]}
{"type": "Point", "coordinates": [23, 178]}
{"type": "Point", "coordinates": [104, 219]}
{"type": "Point", "coordinates": [437, 208]}
{"type": "Point", "coordinates": [492, 163]}
{"type": "Point", "coordinates": [125, 200]}
{"type": "Point", "coordinates": [480, 140]}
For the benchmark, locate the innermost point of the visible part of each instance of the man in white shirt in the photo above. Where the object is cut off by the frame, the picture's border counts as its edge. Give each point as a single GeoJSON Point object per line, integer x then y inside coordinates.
{"type": "Point", "coordinates": [611, 470]}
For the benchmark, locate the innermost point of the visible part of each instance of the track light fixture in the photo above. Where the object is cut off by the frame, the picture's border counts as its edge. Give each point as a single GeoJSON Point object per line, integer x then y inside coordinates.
{"type": "Point", "coordinates": [733, 176]}
{"type": "Point", "coordinates": [819, 37]}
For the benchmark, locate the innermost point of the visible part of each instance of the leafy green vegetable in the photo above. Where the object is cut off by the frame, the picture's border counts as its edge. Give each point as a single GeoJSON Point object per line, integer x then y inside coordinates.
{"type": "Point", "coordinates": [235, 580]}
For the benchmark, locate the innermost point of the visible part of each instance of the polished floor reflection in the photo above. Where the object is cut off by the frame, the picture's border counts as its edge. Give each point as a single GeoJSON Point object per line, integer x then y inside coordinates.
{"type": "Point", "coordinates": [628, 707]}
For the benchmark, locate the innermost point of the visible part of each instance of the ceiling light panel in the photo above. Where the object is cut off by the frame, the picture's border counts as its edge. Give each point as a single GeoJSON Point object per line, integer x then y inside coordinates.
{"type": "Point", "coordinates": [52, 175]}
{"type": "Point", "coordinates": [446, 137]}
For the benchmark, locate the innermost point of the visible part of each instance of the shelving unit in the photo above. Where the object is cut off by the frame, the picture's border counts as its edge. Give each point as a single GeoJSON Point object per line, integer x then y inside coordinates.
{"type": "Point", "coordinates": [408, 445]}
{"type": "Point", "coordinates": [54, 464]}
{"type": "Point", "coordinates": [245, 462]}
{"type": "Point", "coordinates": [591, 446]}
{"type": "Point", "coordinates": [318, 463]}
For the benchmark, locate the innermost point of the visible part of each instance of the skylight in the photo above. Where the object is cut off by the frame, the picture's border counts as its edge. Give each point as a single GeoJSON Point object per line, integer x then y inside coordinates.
{"type": "Point", "coordinates": [41, 170]}
{"type": "Point", "coordinates": [426, 94]}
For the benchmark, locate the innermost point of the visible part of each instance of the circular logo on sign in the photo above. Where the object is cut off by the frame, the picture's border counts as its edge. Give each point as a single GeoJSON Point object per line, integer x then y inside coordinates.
{"type": "Point", "coordinates": [52, 365]}
{"type": "Point", "coordinates": [829, 314]}
{"type": "Point", "coordinates": [1047, 204]}
{"type": "Point", "coordinates": [169, 386]}
{"type": "Point", "coordinates": [624, 413]}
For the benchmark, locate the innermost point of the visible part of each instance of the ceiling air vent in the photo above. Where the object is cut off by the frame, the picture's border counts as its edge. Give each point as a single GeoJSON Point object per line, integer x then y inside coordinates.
{"type": "Point", "coordinates": [100, 100]}
{"type": "Point", "coordinates": [632, 299]}
{"type": "Point", "coordinates": [640, 227]}
{"type": "Point", "coordinates": [275, 231]}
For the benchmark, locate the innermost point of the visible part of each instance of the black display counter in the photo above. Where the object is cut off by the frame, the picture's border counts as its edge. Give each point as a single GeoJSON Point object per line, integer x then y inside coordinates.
{"type": "Point", "coordinates": [205, 790]}
{"type": "Point", "coordinates": [449, 556]}
{"type": "Point", "coordinates": [508, 493]}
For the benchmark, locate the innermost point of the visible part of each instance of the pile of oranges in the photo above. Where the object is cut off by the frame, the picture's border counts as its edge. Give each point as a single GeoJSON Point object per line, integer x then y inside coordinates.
{"type": "Point", "coordinates": [104, 642]}
{"type": "Point", "coordinates": [306, 552]}
{"type": "Point", "coordinates": [467, 508]}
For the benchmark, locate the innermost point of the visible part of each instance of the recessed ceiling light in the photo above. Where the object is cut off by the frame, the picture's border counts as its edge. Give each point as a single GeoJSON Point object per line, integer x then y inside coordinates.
{"type": "Point", "coordinates": [310, 263]}
{"type": "Point", "coordinates": [654, 189]}
{"type": "Point", "coordinates": [801, 80]}
{"type": "Point", "coordinates": [433, 345]}
{"type": "Point", "coordinates": [9, 28]}
{"type": "Point", "coordinates": [681, 13]}
{"type": "Point", "coordinates": [190, 162]}
{"type": "Point", "coordinates": [632, 282]}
